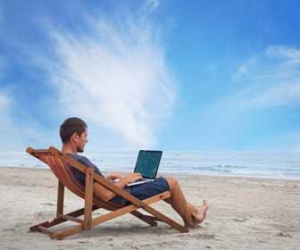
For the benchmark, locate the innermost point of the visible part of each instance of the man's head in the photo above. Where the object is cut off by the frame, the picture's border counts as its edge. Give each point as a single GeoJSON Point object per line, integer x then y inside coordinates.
{"type": "Point", "coordinates": [74, 131]}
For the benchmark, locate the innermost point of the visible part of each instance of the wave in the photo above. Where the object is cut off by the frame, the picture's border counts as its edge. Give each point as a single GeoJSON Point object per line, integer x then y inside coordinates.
{"type": "Point", "coordinates": [276, 165]}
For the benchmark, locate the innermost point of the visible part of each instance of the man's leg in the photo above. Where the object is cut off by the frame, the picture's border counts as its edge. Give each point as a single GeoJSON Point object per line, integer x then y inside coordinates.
{"type": "Point", "coordinates": [190, 214]}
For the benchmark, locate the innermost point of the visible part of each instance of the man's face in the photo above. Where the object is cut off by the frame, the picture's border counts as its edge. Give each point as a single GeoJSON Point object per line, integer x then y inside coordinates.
{"type": "Point", "coordinates": [81, 141]}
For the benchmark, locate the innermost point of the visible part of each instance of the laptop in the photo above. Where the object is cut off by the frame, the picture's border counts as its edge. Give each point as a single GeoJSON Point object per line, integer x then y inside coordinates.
{"type": "Point", "coordinates": [147, 165]}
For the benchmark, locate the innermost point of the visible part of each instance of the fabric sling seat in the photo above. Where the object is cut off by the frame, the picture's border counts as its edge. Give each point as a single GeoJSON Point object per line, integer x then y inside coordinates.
{"type": "Point", "coordinates": [60, 165]}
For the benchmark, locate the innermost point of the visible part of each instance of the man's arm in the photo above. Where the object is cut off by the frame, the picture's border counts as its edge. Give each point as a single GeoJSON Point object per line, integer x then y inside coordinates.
{"type": "Point", "coordinates": [105, 194]}
{"type": "Point", "coordinates": [115, 177]}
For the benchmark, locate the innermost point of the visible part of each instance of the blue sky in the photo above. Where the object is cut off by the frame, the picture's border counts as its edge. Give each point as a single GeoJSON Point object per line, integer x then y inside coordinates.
{"type": "Point", "coordinates": [173, 75]}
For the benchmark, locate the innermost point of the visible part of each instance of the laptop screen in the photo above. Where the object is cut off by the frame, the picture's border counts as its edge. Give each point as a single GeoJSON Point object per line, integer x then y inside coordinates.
{"type": "Point", "coordinates": [147, 163]}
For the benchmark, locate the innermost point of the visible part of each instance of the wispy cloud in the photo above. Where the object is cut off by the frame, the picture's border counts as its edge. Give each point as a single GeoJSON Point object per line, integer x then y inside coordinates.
{"type": "Point", "coordinates": [8, 131]}
{"type": "Point", "coordinates": [265, 82]}
{"type": "Point", "coordinates": [4, 102]}
{"type": "Point", "coordinates": [289, 54]}
{"type": "Point", "coordinates": [151, 5]}
{"type": "Point", "coordinates": [2, 70]}
{"type": "Point", "coordinates": [114, 75]}
{"type": "Point", "coordinates": [243, 70]}
{"type": "Point", "coordinates": [273, 80]}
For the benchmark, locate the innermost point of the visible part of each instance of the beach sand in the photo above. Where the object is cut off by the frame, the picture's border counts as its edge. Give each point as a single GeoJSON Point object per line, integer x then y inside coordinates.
{"type": "Point", "coordinates": [244, 213]}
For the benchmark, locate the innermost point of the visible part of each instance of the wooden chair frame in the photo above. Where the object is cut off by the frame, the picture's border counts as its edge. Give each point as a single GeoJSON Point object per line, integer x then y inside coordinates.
{"type": "Point", "coordinates": [92, 203]}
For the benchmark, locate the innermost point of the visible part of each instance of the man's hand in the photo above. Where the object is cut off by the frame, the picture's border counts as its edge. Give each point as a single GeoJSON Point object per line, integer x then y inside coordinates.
{"type": "Point", "coordinates": [133, 177]}
{"type": "Point", "coordinates": [114, 176]}
{"type": "Point", "coordinates": [118, 178]}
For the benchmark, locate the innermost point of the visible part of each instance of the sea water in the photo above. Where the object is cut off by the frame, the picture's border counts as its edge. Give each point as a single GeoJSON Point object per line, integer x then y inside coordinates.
{"type": "Point", "coordinates": [277, 165]}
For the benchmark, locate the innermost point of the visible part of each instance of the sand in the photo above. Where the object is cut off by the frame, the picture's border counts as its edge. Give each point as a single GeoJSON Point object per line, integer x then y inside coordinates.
{"type": "Point", "coordinates": [245, 213]}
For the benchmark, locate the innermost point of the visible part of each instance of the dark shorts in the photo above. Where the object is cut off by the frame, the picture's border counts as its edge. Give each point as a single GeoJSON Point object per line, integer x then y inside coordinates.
{"type": "Point", "coordinates": [144, 191]}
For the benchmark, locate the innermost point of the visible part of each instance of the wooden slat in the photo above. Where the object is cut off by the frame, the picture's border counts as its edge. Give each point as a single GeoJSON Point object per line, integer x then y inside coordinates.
{"type": "Point", "coordinates": [76, 213]}
{"type": "Point", "coordinates": [128, 209]}
{"type": "Point", "coordinates": [146, 218]}
{"type": "Point", "coordinates": [31, 151]}
{"type": "Point", "coordinates": [67, 232]}
{"type": "Point", "coordinates": [45, 230]}
{"type": "Point", "coordinates": [71, 218]}
{"type": "Point", "coordinates": [35, 228]}
{"type": "Point", "coordinates": [69, 159]}
{"type": "Point", "coordinates": [114, 214]}
{"type": "Point", "coordinates": [145, 206]}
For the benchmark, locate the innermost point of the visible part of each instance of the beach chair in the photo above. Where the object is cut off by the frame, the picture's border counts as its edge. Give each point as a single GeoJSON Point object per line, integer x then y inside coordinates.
{"type": "Point", "coordinates": [60, 165]}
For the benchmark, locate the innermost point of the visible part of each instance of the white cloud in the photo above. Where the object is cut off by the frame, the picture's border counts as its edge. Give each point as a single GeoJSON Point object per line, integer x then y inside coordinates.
{"type": "Point", "coordinates": [271, 80]}
{"type": "Point", "coordinates": [151, 5]}
{"type": "Point", "coordinates": [8, 130]}
{"type": "Point", "coordinates": [290, 55]}
{"type": "Point", "coordinates": [115, 76]}
{"type": "Point", "coordinates": [278, 95]}
{"type": "Point", "coordinates": [4, 102]}
{"type": "Point", "coordinates": [243, 70]}
{"type": "Point", "coordinates": [2, 70]}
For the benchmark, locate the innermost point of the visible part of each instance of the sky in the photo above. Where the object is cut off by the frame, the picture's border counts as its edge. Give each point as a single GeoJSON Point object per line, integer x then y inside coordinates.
{"type": "Point", "coordinates": [155, 74]}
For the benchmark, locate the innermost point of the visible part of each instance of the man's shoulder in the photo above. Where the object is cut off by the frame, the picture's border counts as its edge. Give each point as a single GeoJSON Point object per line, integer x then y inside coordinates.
{"type": "Point", "coordinates": [85, 161]}
{"type": "Point", "coordinates": [77, 156]}
{"type": "Point", "coordinates": [81, 159]}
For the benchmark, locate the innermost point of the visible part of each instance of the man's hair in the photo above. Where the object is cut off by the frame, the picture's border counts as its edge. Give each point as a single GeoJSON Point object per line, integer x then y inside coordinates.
{"type": "Point", "coordinates": [70, 126]}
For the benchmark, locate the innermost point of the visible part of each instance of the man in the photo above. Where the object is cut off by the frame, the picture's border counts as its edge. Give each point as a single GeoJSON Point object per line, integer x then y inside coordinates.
{"type": "Point", "coordinates": [73, 133]}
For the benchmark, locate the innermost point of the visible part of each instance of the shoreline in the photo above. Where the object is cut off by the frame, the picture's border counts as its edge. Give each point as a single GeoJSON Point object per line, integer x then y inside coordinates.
{"type": "Point", "coordinates": [259, 164]}
{"type": "Point", "coordinates": [250, 176]}
{"type": "Point", "coordinates": [244, 213]}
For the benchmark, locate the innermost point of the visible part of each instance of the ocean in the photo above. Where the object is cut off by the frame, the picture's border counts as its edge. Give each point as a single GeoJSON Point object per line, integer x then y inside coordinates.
{"type": "Point", "coordinates": [276, 165]}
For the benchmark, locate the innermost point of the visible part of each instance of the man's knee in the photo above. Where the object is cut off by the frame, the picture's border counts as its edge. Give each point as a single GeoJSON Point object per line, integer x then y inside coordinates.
{"type": "Point", "coordinates": [172, 182]}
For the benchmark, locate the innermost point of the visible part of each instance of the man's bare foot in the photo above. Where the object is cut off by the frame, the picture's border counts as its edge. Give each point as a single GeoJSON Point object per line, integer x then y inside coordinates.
{"type": "Point", "coordinates": [199, 216]}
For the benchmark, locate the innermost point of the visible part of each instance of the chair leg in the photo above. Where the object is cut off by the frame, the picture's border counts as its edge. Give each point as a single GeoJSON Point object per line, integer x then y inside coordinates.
{"type": "Point", "coordinates": [146, 218]}
{"type": "Point", "coordinates": [60, 199]}
{"type": "Point", "coordinates": [87, 224]}
{"type": "Point", "coordinates": [146, 207]}
{"type": "Point", "coordinates": [59, 219]}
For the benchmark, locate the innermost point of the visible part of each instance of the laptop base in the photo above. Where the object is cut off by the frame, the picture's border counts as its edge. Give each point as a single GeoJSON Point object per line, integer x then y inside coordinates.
{"type": "Point", "coordinates": [138, 182]}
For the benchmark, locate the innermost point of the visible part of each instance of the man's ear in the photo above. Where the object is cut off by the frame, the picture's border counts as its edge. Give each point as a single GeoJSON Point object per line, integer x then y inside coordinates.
{"type": "Point", "coordinates": [74, 136]}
